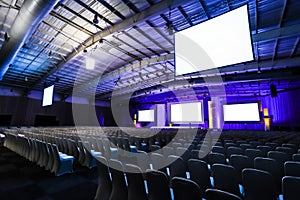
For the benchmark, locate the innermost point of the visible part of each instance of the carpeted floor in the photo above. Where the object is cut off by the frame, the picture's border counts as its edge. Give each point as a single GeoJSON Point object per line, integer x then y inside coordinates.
{"type": "Point", "coordinates": [22, 179]}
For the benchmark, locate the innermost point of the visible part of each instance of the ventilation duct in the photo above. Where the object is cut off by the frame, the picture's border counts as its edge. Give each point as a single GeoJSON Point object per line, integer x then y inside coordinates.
{"type": "Point", "coordinates": [30, 15]}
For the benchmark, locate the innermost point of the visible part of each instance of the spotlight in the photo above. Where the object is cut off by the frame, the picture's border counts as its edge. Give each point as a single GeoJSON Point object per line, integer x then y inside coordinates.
{"type": "Point", "coordinates": [101, 41]}
{"type": "Point", "coordinates": [50, 54]}
{"type": "Point", "coordinates": [26, 79]}
{"type": "Point", "coordinates": [56, 80]}
{"type": "Point", "coordinates": [95, 20]}
{"type": "Point", "coordinates": [84, 51]}
{"type": "Point", "coordinates": [6, 36]}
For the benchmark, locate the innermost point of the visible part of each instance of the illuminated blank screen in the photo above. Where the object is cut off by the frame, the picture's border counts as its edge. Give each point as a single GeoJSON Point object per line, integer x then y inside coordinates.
{"type": "Point", "coordinates": [187, 113]}
{"type": "Point", "coordinates": [248, 112]}
{"type": "Point", "coordinates": [146, 115]}
{"type": "Point", "coordinates": [225, 40]}
{"type": "Point", "coordinates": [48, 96]}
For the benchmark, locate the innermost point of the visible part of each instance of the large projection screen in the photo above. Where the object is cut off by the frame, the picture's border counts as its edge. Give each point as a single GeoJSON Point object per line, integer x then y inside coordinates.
{"type": "Point", "coordinates": [246, 112]}
{"type": "Point", "coordinates": [48, 96]}
{"type": "Point", "coordinates": [225, 40]}
{"type": "Point", "coordinates": [187, 113]}
{"type": "Point", "coordinates": [146, 115]}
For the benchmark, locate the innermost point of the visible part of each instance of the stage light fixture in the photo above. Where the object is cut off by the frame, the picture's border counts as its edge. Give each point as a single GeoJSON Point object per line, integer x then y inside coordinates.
{"type": "Point", "coordinates": [95, 20]}
{"type": "Point", "coordinates": [101, 41]}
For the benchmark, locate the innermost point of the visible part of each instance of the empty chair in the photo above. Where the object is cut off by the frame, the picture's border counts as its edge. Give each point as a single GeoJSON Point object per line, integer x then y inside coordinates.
{"type": "Point", "coordinates": [62, 163]}
{"type": "Point", "coordinates": [240, 162]}
{"type": "Point", "coordinates": [154, 147]}
{"type": "Point", "coordinates": [184, 153]}
{"type": "Point", "coordinates": [225, 178]}
{"type": "Point", "coordinates": [287, 150]}
{"type": "Point", "coordinates": [234, 150]}
{"type": "Point", "coordinates": [198, 154]}
{"type": "Point", "coordinates": [290, 187]}
{"type": "Point", "coordinates": [199, 173]}
{"type": "Point", "coordinates": [253, 153]}
{"type": "Point", "coordinates": [272, 166]}
{"type": "Point", "coordinates": [258, 185]}
{"type": "Point", "coordinates": [273, 145]}
{"type": "Point", "coordinates": [216, 158]}
{"type": "Point", "coordinates": [158, 185]}
{"type": "Point", "coordinates": [280, 157]}
{"type": "Point", "coordinates": [158, 162]}
{"type": "Point", "coordinates": [254, 143]}
{"type": "Point", "coordinates": [218, 149]}
{"type": "Point", "coordinates": [166, 151]}
{"type": "Point", "coordinates": [215, 194]}
{"type": "Point", "coordinates": [119, 188]}
{"type": "Point", "coordinates": [185, 189]}
{"type": "Point", "coordinates": [143, 160]}
{"type": "Point", "coordinates": [104, 182]}
{"type": "Point", "coordinates": [292, 168]}
{"type": "Point", "coordinates": [177, 166]}
{"type": "Point", "coordinates": [296, 157]}
{"type": "Point", "coordinates": [264, 149]}
{"type": "Point", "coordinates": [293, 146]}
{"type": "Point", "coordinates": [136, 186]}
{"type": "Point", "coordinates": [246, 146]}
{"type": "Point", "coordinates": [229, 144]}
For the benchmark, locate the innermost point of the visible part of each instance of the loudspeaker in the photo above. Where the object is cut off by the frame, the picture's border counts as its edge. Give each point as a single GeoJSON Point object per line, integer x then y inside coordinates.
{"type": "Point", "coordinates": [273, 90]}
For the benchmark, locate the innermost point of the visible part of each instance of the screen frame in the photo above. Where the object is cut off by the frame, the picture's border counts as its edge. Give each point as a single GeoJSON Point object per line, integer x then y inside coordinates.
{"type": "Point", "coordinates": [207, 70]}
{"type": "Point", "coordinates": [138, 115]}
{"type": "Point", "coordinates": [185, 122]}
{"type": "Point", "coordinates": [52, 99]}
{"type": "Point", "coordinates": [243, 122]}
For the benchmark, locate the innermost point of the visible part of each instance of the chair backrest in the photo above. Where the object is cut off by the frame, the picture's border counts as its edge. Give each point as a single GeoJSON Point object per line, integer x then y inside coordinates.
{"type": "Point", "coordinates": [185, 189]}
{"type": "Point", "coordinates": [272, 166]}
{"type": "Point", "coordinates": [216, 158]}
{"type": "Point", "coordinates": [258, 185]}
{"type": "Point", "coordinates": [264, 149]}
{"type": "Point", "coordinates": [143, 160]}
{"type": "Point", "coordinates": [215, 194]}
{"type": "Point", "coordinates": [289, 151]}
{"type": "Point", "coordinates": [292, 168]}
{"type": "Point", "coordinates": [158, 185]}
{"type": "Point", "coordinates": [246, 146]}
{"type": "Point", "coordinates": [253, 153]}
{"type": "Point", "coordinates": [296, 157]}
{"type": "Point", "coordinates": [234, 150]}
{"type": "Point", "coordinates": [280, 157]}
{"type": "Point", "coordinates": [136, 186]}
{"type": "Point", "coordinates": [290, 187]}
{"type": "Point", "coordinates": [104, 182]}
{"type": "Point", "coordinates": [225, 178]}
{"type": "Point", "coordinates": [177, 166]}
{"type": "Point", "coordinates": [199, 173]}
{"type": "Point", "coordinates": [218, 149]}
{"type": "Point", "coordinates": [157, 161]}
{"type": "Point", "coordinates": [119, 188]}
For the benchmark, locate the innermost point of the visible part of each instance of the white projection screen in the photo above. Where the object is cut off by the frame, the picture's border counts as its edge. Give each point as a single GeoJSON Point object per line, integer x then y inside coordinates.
{"type": "Point", "coordinates": [225, 39]}
{"type": "Point", "coordinates": [48, 96]}
{"type": "Point", "coordinates": [187, 113]}
{"type": "Point", "coordinates": [146, 115]}
{"type": "Point", "coordinates": [246, 112]}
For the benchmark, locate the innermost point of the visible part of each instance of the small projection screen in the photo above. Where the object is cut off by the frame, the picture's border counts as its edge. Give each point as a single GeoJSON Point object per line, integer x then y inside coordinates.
{"type": "Point", "coordinates": [221, 41]}
{"type": "Point", "coordinates": [187, 113]}
{"type": "Point", "coordinates": [48, 96]}
{"type": "Point", "coordinates": [246, 112]}
{"type": "Point", "coordinates": [146, 115]}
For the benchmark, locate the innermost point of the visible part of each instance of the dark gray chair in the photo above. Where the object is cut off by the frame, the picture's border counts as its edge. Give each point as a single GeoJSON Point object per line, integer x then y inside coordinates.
{"type": "Point", "coordinates": [158, 185]}
{"type": "Point", "coordinates": [258, 185]}
{"type": "Point", "coordinates": [199, 173]}
{"type": "Point", "coordinates": [215, 194]}
{"type": "Point", "coordinates": [185, 189]}
{"type": "Point", "coordinates": [290, 187]}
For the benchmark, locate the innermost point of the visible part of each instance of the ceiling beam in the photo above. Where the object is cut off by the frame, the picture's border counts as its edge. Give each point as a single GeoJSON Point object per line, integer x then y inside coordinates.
{"type": "Point", "coordinates": [180, 8]}
{"type": "Point", "coordinates": [112, 9]}
{"type": "Point", "coordinates": [277, 33]}
{"type": "Point", "coordinates": [143, 16]}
